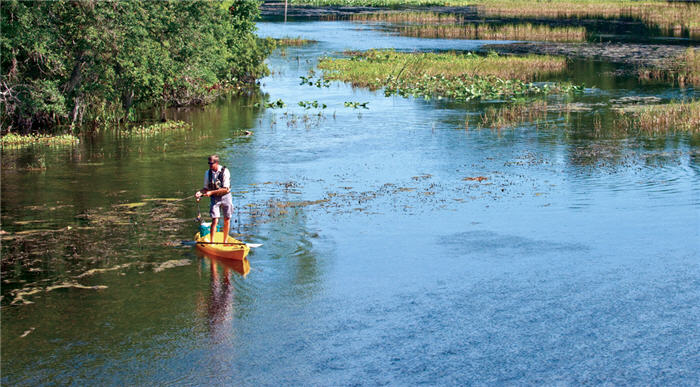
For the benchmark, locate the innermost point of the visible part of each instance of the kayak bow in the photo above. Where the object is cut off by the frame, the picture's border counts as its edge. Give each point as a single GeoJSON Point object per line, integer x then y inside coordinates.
{"type": "Point", "coordinates": [233, 249]}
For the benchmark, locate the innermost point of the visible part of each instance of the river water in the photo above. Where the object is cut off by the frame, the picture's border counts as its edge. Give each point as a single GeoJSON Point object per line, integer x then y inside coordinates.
{"type": "Point", "coordinates": [384, 261]}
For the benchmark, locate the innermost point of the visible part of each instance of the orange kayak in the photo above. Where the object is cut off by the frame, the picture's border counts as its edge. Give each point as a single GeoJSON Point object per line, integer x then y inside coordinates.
{"type": "Point", "coordinates": [233, 249]}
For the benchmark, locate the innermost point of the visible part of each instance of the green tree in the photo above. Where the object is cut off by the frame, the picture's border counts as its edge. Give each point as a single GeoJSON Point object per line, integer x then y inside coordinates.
{"type": "Point", "coordinates": [65, 63]}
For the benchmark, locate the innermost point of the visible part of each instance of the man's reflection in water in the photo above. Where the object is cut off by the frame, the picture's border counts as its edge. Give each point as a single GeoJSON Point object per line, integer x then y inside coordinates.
{"type": "Point", "coordinates": [218, 309]}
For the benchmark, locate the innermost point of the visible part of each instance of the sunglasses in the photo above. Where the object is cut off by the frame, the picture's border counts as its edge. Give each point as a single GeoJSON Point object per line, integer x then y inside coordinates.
{"type": "Point", "coordinates": [213, 162]}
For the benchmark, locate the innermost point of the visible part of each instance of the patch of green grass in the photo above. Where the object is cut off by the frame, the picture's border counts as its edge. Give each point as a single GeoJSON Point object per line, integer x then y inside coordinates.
{"type": "Point", "coordinates": [684, 70]}
{"type": "Point", "coordinates": [525, 31]}
{"type": "Point", "coordinates": [658, 119]}
{"type": "Point", "coordinates": [452, 75]}
{"type": "Point", "coordinates": [13, 140]}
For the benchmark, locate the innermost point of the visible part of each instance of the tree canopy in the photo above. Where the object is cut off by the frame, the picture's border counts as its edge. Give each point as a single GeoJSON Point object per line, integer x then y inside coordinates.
{"type": "Point", "coordinates": [71, 62]}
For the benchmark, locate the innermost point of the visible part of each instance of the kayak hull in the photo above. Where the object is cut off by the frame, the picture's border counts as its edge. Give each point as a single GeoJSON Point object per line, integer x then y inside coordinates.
{"type": "Point", "coordinates": [236, 250]}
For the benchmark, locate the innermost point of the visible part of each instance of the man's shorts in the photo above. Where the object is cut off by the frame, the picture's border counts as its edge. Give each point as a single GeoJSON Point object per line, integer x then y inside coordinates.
{"type": "Point", "coordinates": [219, 208]}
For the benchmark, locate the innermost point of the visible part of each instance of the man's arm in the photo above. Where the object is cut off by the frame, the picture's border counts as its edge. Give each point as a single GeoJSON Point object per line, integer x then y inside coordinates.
{"type": "Point", "coordinates": [216, 192]}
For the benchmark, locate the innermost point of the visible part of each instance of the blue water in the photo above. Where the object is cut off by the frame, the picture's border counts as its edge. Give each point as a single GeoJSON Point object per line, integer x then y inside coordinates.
{"type": "Point", "coordinates": [575, 262]}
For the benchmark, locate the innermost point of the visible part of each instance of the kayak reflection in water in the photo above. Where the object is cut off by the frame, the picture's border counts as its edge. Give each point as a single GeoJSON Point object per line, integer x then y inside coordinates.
{"type": "Point", "coordinates": [217, 186]}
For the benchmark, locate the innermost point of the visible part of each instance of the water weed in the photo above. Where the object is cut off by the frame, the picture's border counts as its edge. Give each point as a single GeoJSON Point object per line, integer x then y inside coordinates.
{"type": "Point", "coordinates": [158, 129]}
{"type": "Point", "coordinates": [452, 75]}
{"type": "Point", "coordinates": [681, 116]}
{"type": "Point", "coordinates": [13, 140]}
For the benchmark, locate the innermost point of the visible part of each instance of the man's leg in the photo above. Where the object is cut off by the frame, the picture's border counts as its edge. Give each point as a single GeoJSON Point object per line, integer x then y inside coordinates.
{"type": "Point", "coordinates": [227, 225]}
{"type": "Point", "coordinates": [214, 221]}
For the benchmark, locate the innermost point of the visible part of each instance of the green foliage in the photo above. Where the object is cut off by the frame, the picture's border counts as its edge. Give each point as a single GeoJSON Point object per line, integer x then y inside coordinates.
{"type": "Point", "coordinates": [66, 63]}
{"type": "Point", "coordinates": [320, 82]}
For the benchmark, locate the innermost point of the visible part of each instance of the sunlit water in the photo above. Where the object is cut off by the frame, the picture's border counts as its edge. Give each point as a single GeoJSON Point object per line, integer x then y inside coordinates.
{"type": "Point", "coordinates": [575, 261]}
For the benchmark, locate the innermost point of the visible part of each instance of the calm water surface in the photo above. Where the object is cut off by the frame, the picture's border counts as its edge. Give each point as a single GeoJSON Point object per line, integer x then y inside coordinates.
{"type": "Point", "coordinates": [575, 261]}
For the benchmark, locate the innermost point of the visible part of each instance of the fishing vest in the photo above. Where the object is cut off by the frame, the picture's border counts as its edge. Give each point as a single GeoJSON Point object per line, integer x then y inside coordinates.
{"type": "Point", "coordinates": [217, 183]}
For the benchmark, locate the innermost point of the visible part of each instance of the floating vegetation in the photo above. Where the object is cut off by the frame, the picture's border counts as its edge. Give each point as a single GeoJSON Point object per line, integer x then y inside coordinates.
{"type": "Point", "coordinates": [13, 140]}
{"type": "Point", "coordinates": [513, 115]}
{"type": "Point", "coordinates": [683, 70]}
{"type": "Point", "coordinates": [312, 104]}
{"type": "Point", "coordinates": [158, 129]}
{"type": "Point", "coordinates": [655, 119]}
{"type": "Point", "coordinates": [503, 32]}
{"type": "Point", "coordinates": [452, 75]}
{"type": "Point", "coordinates": [298, 41]}
{"type": "Point", "coordinates": [272, 105]}
{"type": "Point", "coordinates": [356, 105]}
{"type": "Point", "coordinates": [320, 82]}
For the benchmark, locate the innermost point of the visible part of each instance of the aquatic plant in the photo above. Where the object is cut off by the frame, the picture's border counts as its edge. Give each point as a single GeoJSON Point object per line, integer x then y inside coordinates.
{"type": "Point", "coordinates": [513, 114]}
{"type": "Point", "coordinates": [298, 41]}
{"type": "Point", "coordinates": [525, 31]}
{"type": "Point", "coordinates": [683, 116]}
{"type": "Point", "coordinates": [320, 82]}
{"type": "Point", "coordinates": [356, 105]}
{"type": "Point", "coordinates": [272, 105]}
{"type": "Point", "coordinates": [683, 70]}
{"type": "Point", "coordinates": [158, 128]}
{"type": "Point", "coordinates": [312, 104]}
{"type": "Point", "coordinates": [452, 75]}
{"type": "Point", "coordinates": [13, 140]}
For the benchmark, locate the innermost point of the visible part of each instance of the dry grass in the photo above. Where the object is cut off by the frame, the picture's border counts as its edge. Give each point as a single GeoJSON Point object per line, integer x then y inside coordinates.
{"type": "Point", "coordinates": [684, 70]}
{"type": "Point", "coordinates": [504, 32]}
{"type": "Point", "coordinates": [659, 119]}
{"type": "Point", "coordinates": [674, 17]}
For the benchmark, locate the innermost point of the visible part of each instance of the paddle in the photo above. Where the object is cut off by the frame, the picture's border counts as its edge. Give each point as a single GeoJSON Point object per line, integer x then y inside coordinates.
{"type": "Point", "coordinates": [192, 243]}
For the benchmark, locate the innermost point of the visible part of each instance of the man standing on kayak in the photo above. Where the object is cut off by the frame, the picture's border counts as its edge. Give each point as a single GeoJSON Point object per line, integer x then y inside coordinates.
{"type": "Point", "coordinates": [217, 185]}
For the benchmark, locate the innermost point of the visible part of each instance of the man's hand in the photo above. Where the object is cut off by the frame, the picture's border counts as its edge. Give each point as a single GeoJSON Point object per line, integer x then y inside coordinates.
{"type": "Point", "coordinates": [198, 194]}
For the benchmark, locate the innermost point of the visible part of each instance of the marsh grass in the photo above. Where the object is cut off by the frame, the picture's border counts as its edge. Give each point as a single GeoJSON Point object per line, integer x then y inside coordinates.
{"type": "Point", "coordinates": [14, 141]}
{"type": "Point", "coordinates": [453, 75]}
{"type": "Point", "coordinates": [513, 114]}
{"type": "Point", "coordinates": [659, 119]}
{"type": "Point", "coordinates": [298, 41]}
{"type": "Point", "coordinates": [674, 17]}
{"type": "Point", "coordinates": [684, 70]}
{"type": "Point", "coordinates": [525, 31]}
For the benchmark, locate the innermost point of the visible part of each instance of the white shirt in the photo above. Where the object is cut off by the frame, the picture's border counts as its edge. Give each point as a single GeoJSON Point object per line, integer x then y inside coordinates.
{"type": "Point", "coordinates": [227, 177]}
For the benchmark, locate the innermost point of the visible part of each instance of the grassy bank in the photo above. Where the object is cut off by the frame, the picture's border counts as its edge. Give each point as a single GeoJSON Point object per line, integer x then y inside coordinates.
{"type": "Point", "coordinates": [452, 75]}
{"type": "Point", "coordinates": [13, 141]}
{"type": "Point", "coordinates": [676, 17]}
{"type": "Point", "coordinates": [659, 119]}
{"type": "Point", "coordinates": [684, 70]}
{"type": "Point", "coordinates": [503, 32]}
